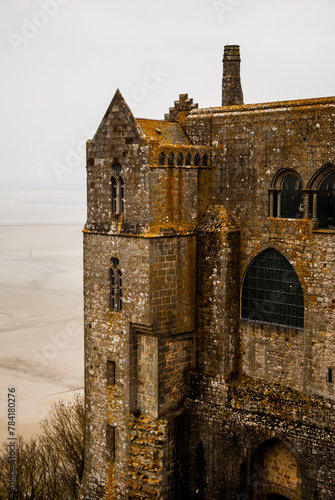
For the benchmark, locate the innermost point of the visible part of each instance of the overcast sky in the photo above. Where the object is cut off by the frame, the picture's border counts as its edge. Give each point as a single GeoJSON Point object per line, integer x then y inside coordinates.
{"type": "Point", "coordinates": [62, 61]}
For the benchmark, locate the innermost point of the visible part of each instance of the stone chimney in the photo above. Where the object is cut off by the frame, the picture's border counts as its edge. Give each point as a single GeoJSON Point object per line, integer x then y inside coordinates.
{"type": "Point", "coordinates": [231, 82]}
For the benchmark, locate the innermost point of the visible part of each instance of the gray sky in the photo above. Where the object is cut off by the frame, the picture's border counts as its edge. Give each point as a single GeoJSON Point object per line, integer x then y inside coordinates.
{"type": "Point", "coordinates": [62, 61]}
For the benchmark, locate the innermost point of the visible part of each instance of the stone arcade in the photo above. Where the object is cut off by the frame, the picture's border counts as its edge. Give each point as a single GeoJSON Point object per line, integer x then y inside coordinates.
{"type": "Point", "coordinates": [209, 282]}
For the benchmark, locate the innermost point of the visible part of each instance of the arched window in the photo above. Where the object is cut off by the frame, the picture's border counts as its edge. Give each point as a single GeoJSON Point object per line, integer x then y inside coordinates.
{"type": "Point", "coordinates": [117, 195]}
{"type": "Point", "coordinates": [113, 193]}
{"type": "Point", "coordinates": [286, 196]}
{"type": "Point", "coordinates": [112, 289]}
{"type": "Point", "coordinates": [205, 160]}
{"type": "Point", "coordinates": [119, 286]}
{"type": "Point", "coordinates": [271, 291]}
{"type": "Point", "coordinates": [291, 198]}
{"type": "Point", "coordinates": [180, 159]}
{"type": "Point", "coordinates": [197, 160]}
{"type": "Point", "coordinates": [115, 288]}
{"type": "Point", "coordinates": [326, 203]}
{"type": "Point", "coordinates": [161, 158]}
{"type": "Point", "coordinates": [171, 159]}
{"type": "Point", "coordinates": [120, 194]}
{"type": "Point", "coordinates": [188, 159]}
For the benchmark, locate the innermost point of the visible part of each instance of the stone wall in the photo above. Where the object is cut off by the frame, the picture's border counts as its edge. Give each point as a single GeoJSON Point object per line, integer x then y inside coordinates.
{"type": "Point", "coordinates": [184, 399]}
{"type": "Point", "coordinates": [224, 442]}
{"type": "Point", "coordinates": [251, 143]}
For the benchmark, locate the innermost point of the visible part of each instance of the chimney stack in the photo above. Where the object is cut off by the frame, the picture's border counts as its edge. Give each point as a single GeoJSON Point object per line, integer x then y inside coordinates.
{"type": "Point", "coordinates": [231, 82]}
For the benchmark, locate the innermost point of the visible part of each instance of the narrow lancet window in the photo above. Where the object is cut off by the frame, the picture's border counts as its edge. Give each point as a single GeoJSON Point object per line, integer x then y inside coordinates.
{"type": "Point", "coordinates": [326, 203]}
{"type": "Point", "coordinates": [110, 442]}
{"type": "Point", "coordinates": [112, 289]}
{"type": "Point", "coordinates": [117, 195]}
{"type": "Point", "coordinates": [205, 160]}
{"type": "Point", "coordinates": [116, 291]}
{"type": "Point", "coordinates": [188, 159]}
{"type": "Point", "coordinates": [114, 197]}
{"type": "Point", "coordinates": [161, 159]}
{"type": "Point", "coordinates": [119, 283]}
{"type": "Point", "coordinates": [197, 160]}
{"type": "Point", "coordinates": [171, 159]}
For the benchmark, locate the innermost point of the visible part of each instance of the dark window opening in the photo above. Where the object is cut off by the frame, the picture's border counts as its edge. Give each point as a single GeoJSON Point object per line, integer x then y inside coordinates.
{"type": "Point", "coordinates": [113, 187]}
{"type": "Point", "coordinates": [271, 291]}
{"type": "Point", "coordinates": [115, 289]}
{"type": "Point", "coordinates": [326, 203]}
{"type": "Point", "coordinates": [110, 442]}
{"type": "Point", "coordinates": [117, 195]}
{"type": "Point", "coordinates": [291, 198]}
{"type": "Point", "coordinates": [205, 160]}
{"type": "Point", "coordinates": [330, 375]}
{"type": "Point", "coordinates": [180, 159]}
{"type": "Point", "coordinates": [171, 159]}
{"type": "Point", "coordinates": [188, 159]}
{"type": "Point", "coordinates": [119, 283]}
{"type": "Point", "coordinates": [197, 160]}
{"type": "Point", "coordinates": [110, 369]}
{"type": "Point", "coordinates": [275, 205]}
{"type": "Point", "coordinates": [161, 158]}
{"type": "Point", "coordinates": [121, 195]}
{"type": "Point", "coordinates": [112, 289]}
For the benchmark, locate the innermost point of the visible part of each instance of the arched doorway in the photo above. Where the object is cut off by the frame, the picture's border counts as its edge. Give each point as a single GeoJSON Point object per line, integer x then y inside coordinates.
{"type": "Point", "coordinates": [274, 473]}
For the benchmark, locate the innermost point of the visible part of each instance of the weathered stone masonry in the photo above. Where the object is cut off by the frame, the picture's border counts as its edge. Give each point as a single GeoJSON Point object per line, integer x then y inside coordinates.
{"type": "Point", "coordinates": [202, 380]}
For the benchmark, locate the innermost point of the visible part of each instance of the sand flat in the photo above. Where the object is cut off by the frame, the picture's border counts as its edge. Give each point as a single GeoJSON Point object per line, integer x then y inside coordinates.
{"type": "Point", "coordinates": [41, 319]}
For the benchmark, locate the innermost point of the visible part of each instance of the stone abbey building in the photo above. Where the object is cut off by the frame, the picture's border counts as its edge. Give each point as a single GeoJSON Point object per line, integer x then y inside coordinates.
{"type": "Point", "coordinates": [209, 282]}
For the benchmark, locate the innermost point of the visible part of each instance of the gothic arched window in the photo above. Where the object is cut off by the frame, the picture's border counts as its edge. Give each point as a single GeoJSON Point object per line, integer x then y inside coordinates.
{"type": "Point", "coordinates": [161, 158]}
{"type": "Point", "coordinates": [271, 291]}
{"type": "Point", "coordinates": [188, 159]}
{"type": "Point", "coordinates": [120, 194]}
{"type": "Point", "coordinates": [197, 160]}
{"type": "Point", "coordinates": [117, 195]}
{"type": "Point", "coordinates": [171, 159]}
{"type": "Point", "coordinates": [119, 289]}
{"type": "Point", "coordinates": [286, 196]}
{"type": "Point", "coordinates": [205, 160]}
{"type": "Point", "coordinates": [291, 198]}
{"type": "Point", "coordinates": [326, 203]}
{"type": "Point", "coordinates": [112, 289]}
{"type": "Point", "coordinates": [180, 159]}
{"type": "Point", "coordinates": [115, 287]}
{"type": "Point", "coordinates": [113, 193]}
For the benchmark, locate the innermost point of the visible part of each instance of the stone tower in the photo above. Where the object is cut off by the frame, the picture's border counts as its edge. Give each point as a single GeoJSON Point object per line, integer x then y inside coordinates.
{"type": "Point", "coordinates": [231, 81]}
{"type": "Point", "coordinates": [209, 271]}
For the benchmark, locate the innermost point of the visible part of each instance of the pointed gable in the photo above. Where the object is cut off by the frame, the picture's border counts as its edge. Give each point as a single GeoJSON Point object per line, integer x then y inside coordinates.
{"type": "Point", "coordinates": [118, 119]}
